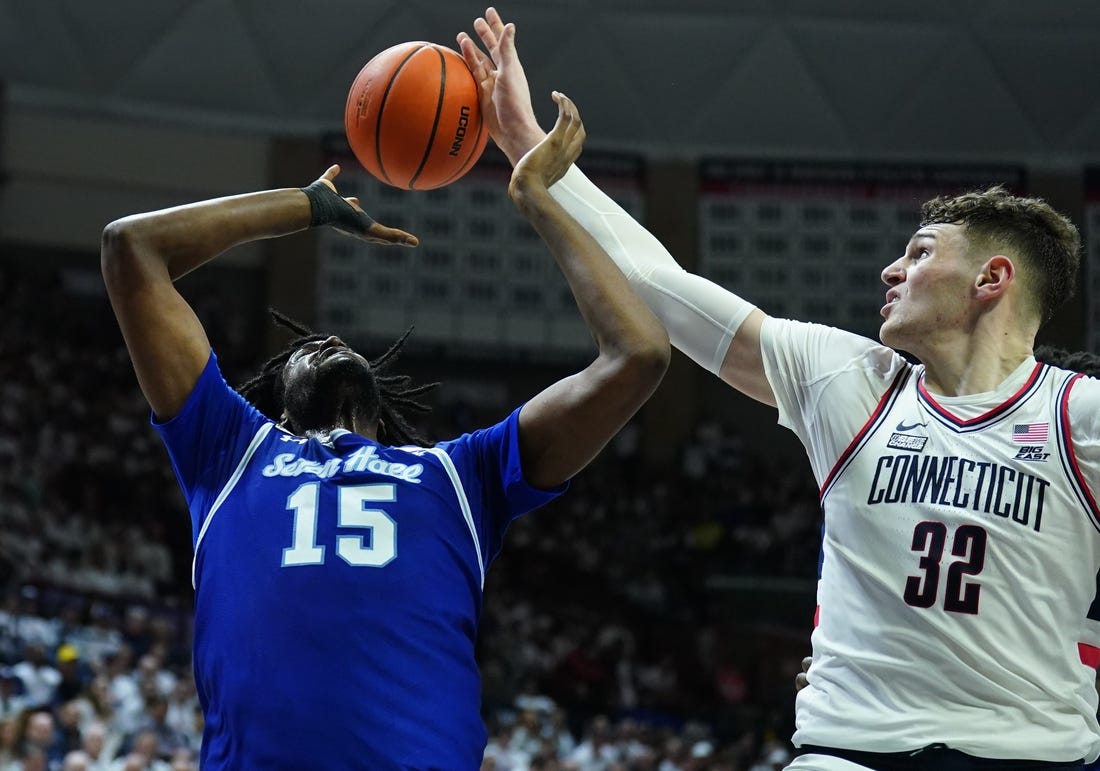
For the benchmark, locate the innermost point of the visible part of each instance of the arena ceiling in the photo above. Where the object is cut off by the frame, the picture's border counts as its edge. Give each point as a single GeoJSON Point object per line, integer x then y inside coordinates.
{"type": "Point", "coordinates": [938, 79]}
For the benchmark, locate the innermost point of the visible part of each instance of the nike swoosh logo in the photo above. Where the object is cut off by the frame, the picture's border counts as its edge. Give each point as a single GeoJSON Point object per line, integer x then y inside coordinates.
{"type": "Point", "coordinates": [903, 427]}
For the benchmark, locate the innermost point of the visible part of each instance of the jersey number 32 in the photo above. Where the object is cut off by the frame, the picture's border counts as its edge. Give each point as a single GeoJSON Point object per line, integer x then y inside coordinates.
{"type": "Point", "coordinates": [968, 545]}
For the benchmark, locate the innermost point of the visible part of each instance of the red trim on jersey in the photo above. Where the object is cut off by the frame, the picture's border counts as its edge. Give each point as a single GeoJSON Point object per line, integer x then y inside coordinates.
{"type": "Point", "coordinates": [898, 380]}
{"type": "Point", "coordinates": [1063, 418]}
{"type": "Point", "coordinates": [817, 619]}
{"type": "Point", "coordinates": [1090, 655]}
{"type": "Point", "coordinates": [985, 416]}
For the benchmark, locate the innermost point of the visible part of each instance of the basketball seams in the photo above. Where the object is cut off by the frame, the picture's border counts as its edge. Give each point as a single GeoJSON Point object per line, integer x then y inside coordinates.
{"type": "Point", "coordinates": [413, 119]}
{"type": "Point", "coordinates": [382, 112]}
{"type": "Point", "coordinates": [435, 120]}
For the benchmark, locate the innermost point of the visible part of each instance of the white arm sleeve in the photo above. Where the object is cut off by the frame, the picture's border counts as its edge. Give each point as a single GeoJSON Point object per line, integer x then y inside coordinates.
{"type": "Point", "coordinates": [700, 316]}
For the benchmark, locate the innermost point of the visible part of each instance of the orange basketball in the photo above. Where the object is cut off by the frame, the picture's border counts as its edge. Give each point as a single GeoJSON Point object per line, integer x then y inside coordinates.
{"type": "Point", "coordinates": [412, 116]}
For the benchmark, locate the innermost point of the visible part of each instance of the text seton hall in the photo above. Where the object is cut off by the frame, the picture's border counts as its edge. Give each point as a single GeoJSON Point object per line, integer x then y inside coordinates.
{"type": "Point", "coordinates": [963, 483]}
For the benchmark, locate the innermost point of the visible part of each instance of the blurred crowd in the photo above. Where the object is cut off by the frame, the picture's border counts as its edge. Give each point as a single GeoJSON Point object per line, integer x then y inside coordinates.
{"type": "Point", "coordinates": [88, 685]}
{"type": "Point", "coordinates": [602, 645]}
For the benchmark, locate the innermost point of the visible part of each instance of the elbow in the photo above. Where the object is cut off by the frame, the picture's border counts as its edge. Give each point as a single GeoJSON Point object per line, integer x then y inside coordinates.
{"type": "Point", "coordinates": [118, 250]}
{"type": "Point", "coordinates": [659, 359]}
{"type": "Point", "coordinates": [117, 240]}
{"type": "Point", "coordinates": [648, 358]}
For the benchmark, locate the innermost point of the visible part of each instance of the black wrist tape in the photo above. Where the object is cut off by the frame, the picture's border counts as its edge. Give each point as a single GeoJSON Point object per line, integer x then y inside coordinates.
{"type": "Point", "coordinates": [328, 208]}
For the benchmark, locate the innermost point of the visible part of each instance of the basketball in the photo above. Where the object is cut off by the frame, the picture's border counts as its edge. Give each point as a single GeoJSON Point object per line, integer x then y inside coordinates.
{"type": "Point", "coordinates": [412, 117]}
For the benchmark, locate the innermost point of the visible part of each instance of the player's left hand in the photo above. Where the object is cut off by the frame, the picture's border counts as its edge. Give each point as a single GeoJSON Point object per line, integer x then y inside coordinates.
{"type": "Point", "coordinates": [546, 163]}
{"type": "Point", "coordinates": [801, 680]}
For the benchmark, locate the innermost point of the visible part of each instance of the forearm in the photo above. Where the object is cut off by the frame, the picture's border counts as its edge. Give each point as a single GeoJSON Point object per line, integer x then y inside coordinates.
{"type": "Point", "coordinates": [633, 248]}
{"type": "Point", "coordinates": [182, 238]}
{"type": "Point", "coordinates": [616, 317]}
{"type": "Point", "coordinates": [700, 316]}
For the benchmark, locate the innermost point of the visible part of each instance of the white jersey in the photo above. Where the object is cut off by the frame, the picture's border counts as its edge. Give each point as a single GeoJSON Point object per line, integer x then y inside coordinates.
{"type": "Point", "coordinates": [957, 598]}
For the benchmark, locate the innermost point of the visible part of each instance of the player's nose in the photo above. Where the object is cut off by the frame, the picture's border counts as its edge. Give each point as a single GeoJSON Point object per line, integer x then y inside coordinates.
{"type": "Point", "coordinates": [894, 273]}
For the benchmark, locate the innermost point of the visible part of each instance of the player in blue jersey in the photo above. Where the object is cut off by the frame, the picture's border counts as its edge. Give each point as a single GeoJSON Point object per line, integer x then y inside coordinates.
{"type": "Point", "coordinates": [339, 563]}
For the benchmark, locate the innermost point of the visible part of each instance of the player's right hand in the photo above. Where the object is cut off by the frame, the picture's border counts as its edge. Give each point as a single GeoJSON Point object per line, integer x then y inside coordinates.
{"type": "Point", "coordinates": [502, 85]}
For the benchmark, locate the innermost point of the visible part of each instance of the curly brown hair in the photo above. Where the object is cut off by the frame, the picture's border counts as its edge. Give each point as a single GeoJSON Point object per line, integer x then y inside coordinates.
{"type": "Point", "coordinates": [1046, 242]}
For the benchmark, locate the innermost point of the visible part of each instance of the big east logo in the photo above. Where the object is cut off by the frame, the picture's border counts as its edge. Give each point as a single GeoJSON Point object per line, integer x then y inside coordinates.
{"type": "Point", "coordinates": [1032, 452]}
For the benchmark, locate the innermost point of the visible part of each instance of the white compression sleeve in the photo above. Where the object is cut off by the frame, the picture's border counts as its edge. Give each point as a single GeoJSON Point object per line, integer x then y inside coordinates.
{"type": "Point", "coordinates": [700, 316]}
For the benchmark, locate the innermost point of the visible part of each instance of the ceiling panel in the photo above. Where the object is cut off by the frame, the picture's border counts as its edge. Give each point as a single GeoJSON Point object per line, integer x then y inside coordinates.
{"type": "Point", "coordinates": [1009, 79]}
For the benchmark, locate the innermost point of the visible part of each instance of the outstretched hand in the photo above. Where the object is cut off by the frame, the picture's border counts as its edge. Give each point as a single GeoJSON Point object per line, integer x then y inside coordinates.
{"type": "Point", "coordinates": [502, 85]}
{"type": "Point", "coordinates": [346, 216]}
{"type": "Point", "coordinates": [547, 162]}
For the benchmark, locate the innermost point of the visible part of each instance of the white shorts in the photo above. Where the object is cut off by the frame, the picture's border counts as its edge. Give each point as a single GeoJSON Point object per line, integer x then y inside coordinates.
{"type": "Point", "coordinates": [823, 763]}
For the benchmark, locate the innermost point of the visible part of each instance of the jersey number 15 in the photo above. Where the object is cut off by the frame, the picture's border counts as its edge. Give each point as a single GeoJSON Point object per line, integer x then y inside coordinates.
{"type": "Point", "coordinates": [372, 549]}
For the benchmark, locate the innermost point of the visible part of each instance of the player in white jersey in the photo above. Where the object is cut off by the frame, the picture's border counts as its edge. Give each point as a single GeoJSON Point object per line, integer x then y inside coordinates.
{"type": "Point", "coordinates": [958, 624]}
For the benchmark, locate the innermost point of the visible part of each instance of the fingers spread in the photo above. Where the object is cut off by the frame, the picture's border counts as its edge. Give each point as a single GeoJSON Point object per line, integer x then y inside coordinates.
{"type": "Point", "coordinates": [485, 32]}
{"type": "Point", "coordinates": [475, 59]}
{"type": "Point", "coordinates": [508, 39]}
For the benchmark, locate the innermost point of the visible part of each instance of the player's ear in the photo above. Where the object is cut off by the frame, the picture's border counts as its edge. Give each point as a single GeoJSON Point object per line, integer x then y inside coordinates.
{"type": "Point", "coordinates": [994, 277]}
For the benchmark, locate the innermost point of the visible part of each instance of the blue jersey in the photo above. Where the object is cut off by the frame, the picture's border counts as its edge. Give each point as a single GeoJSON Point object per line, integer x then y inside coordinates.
{"type": "Point", "coordinates": [338, 586]}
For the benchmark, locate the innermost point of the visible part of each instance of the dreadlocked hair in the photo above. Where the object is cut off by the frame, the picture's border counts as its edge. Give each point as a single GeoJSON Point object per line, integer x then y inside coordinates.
{"type": "Point", "coordinates": [397, 396]}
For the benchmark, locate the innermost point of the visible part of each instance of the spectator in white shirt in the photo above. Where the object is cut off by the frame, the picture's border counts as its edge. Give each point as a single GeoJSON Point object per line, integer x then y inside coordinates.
{"type": "Point", "coordinates": [39, 677]}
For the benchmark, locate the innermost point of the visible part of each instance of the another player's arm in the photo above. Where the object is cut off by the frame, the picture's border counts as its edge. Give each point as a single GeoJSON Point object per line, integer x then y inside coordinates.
{"type": "Point", "coordinates": [566, 426]}
{"type": "Point", "coordinates": [714, 327]}
{"type": "Point", "coordinates": [143, 254]}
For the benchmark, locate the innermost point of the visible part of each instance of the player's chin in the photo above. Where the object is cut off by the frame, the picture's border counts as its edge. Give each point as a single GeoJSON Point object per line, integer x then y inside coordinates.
{"type": "Point", "coordinates": [889, 334]}
{"type": "Point", "coordinates": [345, 362]}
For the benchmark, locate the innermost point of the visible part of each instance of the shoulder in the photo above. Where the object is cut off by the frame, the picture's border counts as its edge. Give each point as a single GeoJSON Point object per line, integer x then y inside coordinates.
{"type": "Point", "coordinates": [495, 435]}
{"type": "Point", "coordinates": [1081, 394]}
{"type": "Point", "coordinates": [813, 351]}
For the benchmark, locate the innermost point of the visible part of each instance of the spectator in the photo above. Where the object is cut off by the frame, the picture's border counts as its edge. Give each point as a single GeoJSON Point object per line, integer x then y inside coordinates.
{"type": "Point", "coordinates": [165, 739]}
{"type": "Point", "coordinates": [596, 751]}
{"type": "Point", "coordinates": [40, 736]}
{"type": "Point", "coordinates": [74, 674]}
{"type": "Point", "coordinates": [183, 760]}
{"type": "Point", "coordinates": [99, 745]}
{"type": "Point", "coordinates": [69, 716]}
{"type": "Point", "coordinates": [500, 754]}
{"type": "Point", "coordinates": [143, 754]}
{"type": "Point", "coordinates": [40, 679]}
{"type": "Point", "coordinates": [9, 741]}
{"type": "Point", "coordinates": [77, 760]}
{"type": "Point", "coordinates": [12, 700]}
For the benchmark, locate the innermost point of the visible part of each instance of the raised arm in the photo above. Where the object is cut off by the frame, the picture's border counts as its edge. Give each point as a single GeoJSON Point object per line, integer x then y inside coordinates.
{"type": "Point", "coordinates": [143, 254]}
{"type": "Point", "coordinates": [565, 426]}
{"type": "Point", "coordinates": [714, 327]}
